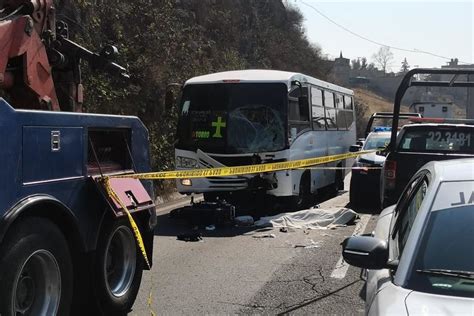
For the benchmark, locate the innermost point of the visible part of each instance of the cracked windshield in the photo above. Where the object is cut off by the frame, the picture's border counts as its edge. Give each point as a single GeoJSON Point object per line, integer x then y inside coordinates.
{"type": "Point", "coordinates": [233, 118]}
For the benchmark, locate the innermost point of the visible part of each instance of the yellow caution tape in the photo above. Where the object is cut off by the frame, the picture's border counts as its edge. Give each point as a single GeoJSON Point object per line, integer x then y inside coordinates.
{"type": "Point", "coordinates": [134, 225]}
{"type": "Point", "coordinates": [242, 170]}
{"type": "Point", "coordinates": [215, 172]}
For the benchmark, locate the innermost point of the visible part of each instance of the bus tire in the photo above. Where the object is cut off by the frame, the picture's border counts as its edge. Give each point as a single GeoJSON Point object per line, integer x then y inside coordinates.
{"type": "Point", "coordinates": [118, 268]}
{"type": "Point", "coordinates": [340, 179]}
{"type": "Point", "coordinates": [303, 199]}
{"type": "Point", "coordinates": [36, 274]}
{"type": "Point", "coordinates": [354, 195]}
{"type": "Point", "coordinates": [338, 182]}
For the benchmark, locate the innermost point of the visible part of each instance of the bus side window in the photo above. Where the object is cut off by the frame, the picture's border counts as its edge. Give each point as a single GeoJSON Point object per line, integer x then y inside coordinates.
{"type": "Point", "coordinates": [341, 120]}
{"type": "Point", "coordinates": [338, 99]}
{"type": "Point", "coordinates": [348, 103]}
{"type": "Point", "coordinates": [330, 110]}
{"type": "Point", "coordinates": [298, 113]}
{"type": "Point", "coordinates": [317, 109]}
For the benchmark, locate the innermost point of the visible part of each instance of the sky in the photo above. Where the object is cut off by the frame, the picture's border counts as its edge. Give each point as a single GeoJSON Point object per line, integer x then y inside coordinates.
{"type": "Point", "coordinates": [442, 28]}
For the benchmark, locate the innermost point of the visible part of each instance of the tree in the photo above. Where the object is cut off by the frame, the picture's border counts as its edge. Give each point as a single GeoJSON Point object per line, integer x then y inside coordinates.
{"type": "Point", "coordinates": [383, 58]}
{"type": "Point", "coordinates": [363, 63]}
{"type": "Point", "coordinates": [356, 64]}
{"type": "Point", "coordinates": [405, 66]}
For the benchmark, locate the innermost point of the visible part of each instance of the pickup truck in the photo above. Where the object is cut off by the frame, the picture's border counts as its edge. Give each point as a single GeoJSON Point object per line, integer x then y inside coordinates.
{"type": "Point", "coordinates": [418, 144]}
{"type": "Point", "coordinates": [430, 139]}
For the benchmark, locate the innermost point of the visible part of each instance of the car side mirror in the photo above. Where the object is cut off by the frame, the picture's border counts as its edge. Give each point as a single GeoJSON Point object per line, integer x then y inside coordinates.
{"type": "Point", "coordinates": [355, 148]}
{"type": "Point", "coordinates": [381, 152]}
{"type": "Point", "coordinates": [365, 252]}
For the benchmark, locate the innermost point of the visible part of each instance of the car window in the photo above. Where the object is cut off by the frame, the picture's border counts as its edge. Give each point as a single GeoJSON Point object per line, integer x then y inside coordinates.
{"type": "Point", "coordinates": [408, 212]}
{"type": "Point", "coordinates": [438, 139]}
{"type": "Point", "coordinates": [377, 141]}
{"type": "Point", "coordinates": [444, 260]}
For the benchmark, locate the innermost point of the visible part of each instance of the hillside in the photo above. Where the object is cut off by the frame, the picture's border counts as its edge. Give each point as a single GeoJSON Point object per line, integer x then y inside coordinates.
{"type": "Point", "coordinates": [367, 102]}
{"type": "Point", "coordinates": [170, 41]}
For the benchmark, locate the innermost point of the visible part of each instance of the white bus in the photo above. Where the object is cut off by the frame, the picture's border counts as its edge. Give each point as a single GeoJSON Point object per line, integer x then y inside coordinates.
{"type": "Point", "coordinates": [260, 116]}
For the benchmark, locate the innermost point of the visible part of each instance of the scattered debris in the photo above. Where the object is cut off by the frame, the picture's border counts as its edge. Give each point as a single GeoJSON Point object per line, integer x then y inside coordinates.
{"type": "Point", "coordinates": [312, 244]}
{"type": "Point", "coordinates": [244, 220]}
{"type": "Point", "coordinates": [210, 227]}
{"type": "Point", "coordinates": [266, 229]}
{"type": "Point", "coordinates": [189, 237]}
{"type": "Point", "coordinates": [264, 236]}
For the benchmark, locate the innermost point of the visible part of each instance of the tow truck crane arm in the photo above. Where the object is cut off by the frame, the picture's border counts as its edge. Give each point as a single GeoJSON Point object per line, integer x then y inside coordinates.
{"type": "Point", "coordinates": [39, 64]}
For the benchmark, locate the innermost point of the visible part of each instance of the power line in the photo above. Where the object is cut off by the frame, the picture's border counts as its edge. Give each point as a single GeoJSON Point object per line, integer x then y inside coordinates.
{"type": "Point", "coordinates": [375, 42]}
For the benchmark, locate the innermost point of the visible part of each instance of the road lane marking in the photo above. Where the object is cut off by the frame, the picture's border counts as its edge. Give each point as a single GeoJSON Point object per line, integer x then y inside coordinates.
{"type": "Point", "coordinates": [341, 268]}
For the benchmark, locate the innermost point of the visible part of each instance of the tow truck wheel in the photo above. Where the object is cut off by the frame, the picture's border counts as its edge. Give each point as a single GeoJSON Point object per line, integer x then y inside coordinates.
{"type": "Point", "coordinates": [35, 270]}
{"type": "Point", "coordinates": [119, 268]}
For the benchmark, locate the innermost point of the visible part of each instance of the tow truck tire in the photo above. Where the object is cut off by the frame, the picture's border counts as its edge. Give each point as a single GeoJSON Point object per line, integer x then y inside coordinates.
{"type": "Point", "coordinates": [118, 268]}
{"type": "Point", "coordinates": [36, 275]}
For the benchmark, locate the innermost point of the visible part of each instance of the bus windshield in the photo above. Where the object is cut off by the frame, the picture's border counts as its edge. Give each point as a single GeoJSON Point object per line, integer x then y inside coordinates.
{"type": "Point", "coordinates": [233, 118]}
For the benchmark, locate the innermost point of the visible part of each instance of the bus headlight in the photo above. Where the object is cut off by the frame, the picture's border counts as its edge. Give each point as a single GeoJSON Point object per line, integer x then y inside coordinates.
{"type": "Point", "coordinates": [185, 162]}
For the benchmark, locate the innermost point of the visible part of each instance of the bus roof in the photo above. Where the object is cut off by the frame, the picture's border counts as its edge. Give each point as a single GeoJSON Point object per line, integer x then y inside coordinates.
{"type": "Point", "coordinates": [261, 76]}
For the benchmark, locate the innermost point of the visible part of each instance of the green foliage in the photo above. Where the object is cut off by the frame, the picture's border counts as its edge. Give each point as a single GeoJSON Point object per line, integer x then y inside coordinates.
{"type": "Point", "coordinates": [170, 41]}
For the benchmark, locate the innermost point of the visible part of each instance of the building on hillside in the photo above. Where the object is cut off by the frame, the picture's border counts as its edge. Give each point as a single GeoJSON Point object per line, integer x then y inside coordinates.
{"type": "Point", "coordinates": [433, 109]}
{"type": "Point", "coordinates": [341, 69]}
{"type": "Point", "coordinates": [466, 95]}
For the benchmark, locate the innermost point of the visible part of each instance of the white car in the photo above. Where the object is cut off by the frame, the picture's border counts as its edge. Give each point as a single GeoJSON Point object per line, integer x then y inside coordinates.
{"type": "Point", "coordinates": [420, 258]}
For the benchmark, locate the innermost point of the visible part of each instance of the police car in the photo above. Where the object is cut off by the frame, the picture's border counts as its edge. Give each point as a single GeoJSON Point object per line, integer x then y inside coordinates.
{"type": "Point", "coordinates": [365, 178]}
{"type": "Point", "coordinates": [420, 258]}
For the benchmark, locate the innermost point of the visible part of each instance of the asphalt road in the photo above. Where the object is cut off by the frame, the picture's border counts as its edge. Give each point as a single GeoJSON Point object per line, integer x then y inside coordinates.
{"type": "Point", "coordinates": [230, 272]}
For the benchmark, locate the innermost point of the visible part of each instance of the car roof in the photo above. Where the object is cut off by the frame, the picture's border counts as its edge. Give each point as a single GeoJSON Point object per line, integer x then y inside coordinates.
{"type": "Point", "coordinates": [434, 125]}
{"type": "Point", "coordinates": [452, 170]}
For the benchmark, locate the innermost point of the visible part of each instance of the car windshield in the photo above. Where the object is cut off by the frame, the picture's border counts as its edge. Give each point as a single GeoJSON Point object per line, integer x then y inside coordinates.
{"type": "Point", "coordinates": [442, 139]}
{"type": "Point", "coordinates": [375, 141]}
{"type": "Point", "coordinates": [233, 117]}
{"type": "Point", "coordinates": [445, 258]}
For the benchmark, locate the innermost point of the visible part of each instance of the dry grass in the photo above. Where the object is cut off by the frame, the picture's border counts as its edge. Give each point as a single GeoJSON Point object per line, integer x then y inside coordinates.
{"type": "Point", "coordinates": [367, 102]}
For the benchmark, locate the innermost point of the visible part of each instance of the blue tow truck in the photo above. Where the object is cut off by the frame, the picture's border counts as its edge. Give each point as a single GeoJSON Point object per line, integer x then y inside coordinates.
{"type": "Point", "coordinates": [66, 248]}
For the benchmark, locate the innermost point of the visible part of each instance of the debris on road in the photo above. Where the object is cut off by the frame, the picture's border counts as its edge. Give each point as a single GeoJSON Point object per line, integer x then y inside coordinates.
{"type": "Point", "coordinates": [264, 236]}
{"type": "Point", "coordinates": [312, 244]}
{"type": "Point", "coordinates": [310, 219]}
{"type": "Point", "coordinates": [244, 220]}
{"type": "Point", "coordinates": [190, 237]}
{"type": "Point", "coordinates": [210, 227]}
